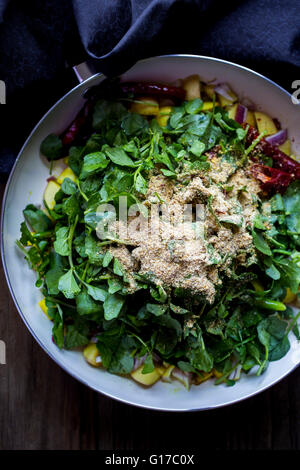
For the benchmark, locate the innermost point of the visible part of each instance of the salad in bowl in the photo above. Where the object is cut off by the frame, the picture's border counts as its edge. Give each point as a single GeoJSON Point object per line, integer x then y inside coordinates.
{"type": "Point", "coordinates": [167, 246]}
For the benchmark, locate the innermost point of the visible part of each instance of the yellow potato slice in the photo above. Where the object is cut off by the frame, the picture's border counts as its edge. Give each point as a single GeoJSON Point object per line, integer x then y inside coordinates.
{"type": "Point", "coordinates": [250, 119]}
{"type": "Point", "coordinates": [166, 377]}
{"type": "Point", "coordinates": [192, 87]}
{"type": "Point", "coordinates": [51, 189]}
{"type": "Point", "coordinates": [232, 111]}
{"type": "Point", "coordinates": [289, 297]}
{"type": "Point", "coordinates": [163, 116]}
{"type": "Point", "coordinates": [209, 91]}
{"type": "Point", "coordinates": [147, 107]}
{"type": "Point", "coordinates": [203, 377]}
{"type": "Point", "coordinates": [66, 173]}
{"type": "Point", "coordinates": [217, 374]}
{"type": "Point", "coordinates": [92, 355]}
{"type": "Point", "coordinates": [42, 304]}
{"type": "Point", "coordinates": [265, 123]}
{"type": "Point", "coordinates": [147, 379]}
{"type": "Point", "coordinates": [286, 147]}
{"type": "Point", "coordinates": [208, 105]}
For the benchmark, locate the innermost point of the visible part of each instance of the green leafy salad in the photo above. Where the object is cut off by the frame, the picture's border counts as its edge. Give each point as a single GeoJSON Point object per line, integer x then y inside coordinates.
{"type": "Point", "coordinates": [198, 280]}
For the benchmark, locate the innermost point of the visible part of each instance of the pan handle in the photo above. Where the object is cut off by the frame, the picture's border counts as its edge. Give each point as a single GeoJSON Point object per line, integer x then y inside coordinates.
{"type": "Point", "coordinates": [83, 71]}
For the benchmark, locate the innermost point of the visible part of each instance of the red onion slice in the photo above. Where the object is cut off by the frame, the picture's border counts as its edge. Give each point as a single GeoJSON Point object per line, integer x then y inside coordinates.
{"type": "Point", "coordinates": [139, 361]}
{"type": "Point", "coordinates": [51, 178]}
{"type": "Point", "coordinates": [277, 139]}
{"type": "Point", "coordinates": [241, 114]}
{"type": "Point", "coordinates": [236, 374]}
{"type": "Point", "coordinates": [224, 90]}
{"type": "Point", "coordinates": [184, 377]}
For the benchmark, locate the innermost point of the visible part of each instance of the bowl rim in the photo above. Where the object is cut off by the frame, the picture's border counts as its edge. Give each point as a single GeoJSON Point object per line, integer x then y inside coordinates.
{"type": "Point", "coordinates": [3, 208]}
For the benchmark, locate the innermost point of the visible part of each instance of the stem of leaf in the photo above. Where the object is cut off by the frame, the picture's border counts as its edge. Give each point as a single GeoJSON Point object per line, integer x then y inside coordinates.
{"type": "Point", "coordinates": [57, 301]}
{"type": "Point", "coordinates": [255, 142]}
{"type": "Point", "coordinates": [70, 241]}
{"type": "Point", "coordinates": [81, 192]}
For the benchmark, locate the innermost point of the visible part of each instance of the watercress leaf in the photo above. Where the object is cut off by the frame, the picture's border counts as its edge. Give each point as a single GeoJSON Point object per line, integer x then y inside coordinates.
{"type": "Point", "coordinates": [272, 334]}
{"type": "Point", "coordinates": [52, 147]}
{"type": "Point", "coordinates": [93, 144]}
{"type": "Point", "coordinates": [158, 293]}
{"type": "Point", "coordinates": [140, 184]}
{"type": "Point", "coordinates": [52, 278]}
{"type": "Point", "coordinates": [156, 309]}
{"type": "Point", "coordinates": [116, 351]}
{"type": "Point", "coordinates": [291, 198]}
{"type": "Point", "coordinates": [69, 187]}
{"type": "Point", "coordinates": [273, 272]}
{"type": "Point", "coordinates": [26, 236]}
{"type": "Point", "coordinates": [263, 335]}
{"type": "Point", "coordinates": [175, 119]}
{"type": "Point", "coordinates": [107, 110]}
{"type": "Point", "coordinates": [93, 163]}
{"type": "Point", "coordinates": [222, 123]}
{"type": "Point", "coordinates": [193, 106]}
{"type": "Point", "coordinates": [200, 358]}
{"type": "Point", "coordinates": [258, 222]}
{"type": "Point", "coordinates": [97, 293]}
{"type": "Point", "coordinates": [58, 329]}
{"type": "Point", "coordinates": [290, 274]}
{"type": "Point", "coordinates": [75, 159]}
{"type": "Point", "coordinates": [91, 185]}
{"type": "Point", "coordinates": [211, 136]}
{"type": "Point", "coordinates": [178, 310]}
{"type": "Point", "coordinates": [261, 244]}
{"type": "Point", "coordinates": [134, 124]}
{"type": "Point", "coordinates": [71, 206]}
{"type": "Point", "coordinates": [293, 222]}
{"type": "Point", "coordinates": [148, 365]}
{"type": "Point", "coordinates": [68, 286]}
{"type": "Point", "coordinates": [197, 148]}
{"type": "Point", "coordinates": [119, 156]}
{"type": "Point", "coordinates": [112, 306]}
{"type": "Point", "coordinates": [61, 244]}
{"type": "Point", "coordinates": [254, 352]}
{"type": "Point", "coordinates": [277, 204]}
{"type": "Point", "coordinates": [196, 124]}
{"type": "Point", "coordinates": [86, 305]}
{"type": "Point", "coordinates": [118, 268]}
{"type": "Point", "coordinates": [114, 286]}
{"type": "Point", "coordinates": [79, 245]}
{"type": "Point", "coordinates": [164, 158]}
{"type": "Point", "coordinates": [241, 133]}
{"type": "Point", "coordinates": [107, 259]}
{"type": "Point", "coordinates": [170, 174]}
{"type": "Point", "coordinates": [93, 249]}
{"type": "Point", "coordinates": [165, 341]}
{"type": "Point", "coordinates": [280, 349]}
{"type": "Point", "coordinates": [74, 338]}
{"type": "Point", "coordinates": [37, 219]}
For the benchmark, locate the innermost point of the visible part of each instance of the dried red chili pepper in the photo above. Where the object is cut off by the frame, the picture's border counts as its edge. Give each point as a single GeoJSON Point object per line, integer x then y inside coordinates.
{"type": "Point", "coordinates": [150, 88]}
{"type": "Point", "coordinates": [272, 180]}
{"type": "Point", "coordinates": [280, 159]}
{"type": "Point", "coordinates": [112, 88]}
{"type": "Point", "coordinates": [73, 131]}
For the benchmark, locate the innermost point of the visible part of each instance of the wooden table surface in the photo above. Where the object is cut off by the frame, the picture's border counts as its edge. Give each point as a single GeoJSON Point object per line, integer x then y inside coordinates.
{"type": "Point", "coordinates": [42, 407]}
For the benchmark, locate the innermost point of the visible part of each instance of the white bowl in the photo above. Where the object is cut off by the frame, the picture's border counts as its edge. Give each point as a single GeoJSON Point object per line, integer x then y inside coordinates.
{"type": "Point", "coordinates": [26, 185]}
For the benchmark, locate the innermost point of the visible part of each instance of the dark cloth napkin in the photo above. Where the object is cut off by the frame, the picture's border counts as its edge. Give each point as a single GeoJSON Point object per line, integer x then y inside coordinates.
{"type": "Point", "coordinates": [40, 41]}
